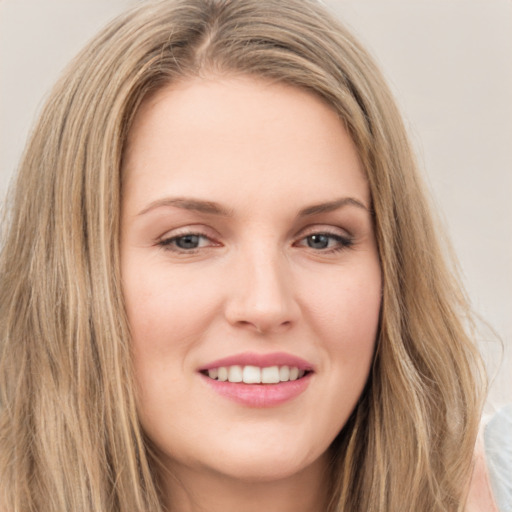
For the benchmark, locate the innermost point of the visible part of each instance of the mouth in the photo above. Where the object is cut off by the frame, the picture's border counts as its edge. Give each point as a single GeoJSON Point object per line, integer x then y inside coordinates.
{"type": "Point", "coordinates": [250, 374]}
{"type": "Point", "coordinates": [259, 380]}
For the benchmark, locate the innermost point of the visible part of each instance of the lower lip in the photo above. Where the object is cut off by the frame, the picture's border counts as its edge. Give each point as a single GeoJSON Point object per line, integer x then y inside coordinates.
{"type": "Point", "coordinates": [260, 395]}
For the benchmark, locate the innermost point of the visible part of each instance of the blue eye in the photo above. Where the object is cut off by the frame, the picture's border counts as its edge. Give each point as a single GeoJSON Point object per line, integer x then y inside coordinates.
{"type": "Point", "coordinates": [326, 242]}
{"type": "Point", "coordinates": [318, 241]}
{"type": "Point", "coordinates": [186, 242]}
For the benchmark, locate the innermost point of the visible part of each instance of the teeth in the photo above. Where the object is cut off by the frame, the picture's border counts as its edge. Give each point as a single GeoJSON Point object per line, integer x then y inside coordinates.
{"type": "Point", "coordinates": [252, 375]}
{"type": "Point", "coordinates": [284, 373]}
{"type": "Point", "coordinates": [235, 374]}
{"type": "Point", "coordinates": [255, 375]}
{"type": "Point", "coordinates": [270, 375]}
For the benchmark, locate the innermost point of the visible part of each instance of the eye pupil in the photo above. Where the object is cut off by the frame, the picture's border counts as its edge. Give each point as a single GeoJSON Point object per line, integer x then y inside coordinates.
{"type": "Point", "coordinates": [318, 241]}
{"type": "Point", "coordinates": [188, 242]}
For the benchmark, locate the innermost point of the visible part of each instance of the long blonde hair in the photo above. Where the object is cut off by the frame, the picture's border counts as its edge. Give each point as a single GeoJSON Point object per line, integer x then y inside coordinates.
{"type": "Point", "coordinates": [69, 433]}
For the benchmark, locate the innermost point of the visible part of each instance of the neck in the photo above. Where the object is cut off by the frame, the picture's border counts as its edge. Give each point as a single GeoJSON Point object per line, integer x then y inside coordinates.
{"type": "Point", "coordinates": [189, 490]}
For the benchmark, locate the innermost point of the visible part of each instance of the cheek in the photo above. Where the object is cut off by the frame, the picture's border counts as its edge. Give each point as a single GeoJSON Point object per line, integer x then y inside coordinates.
{"type": "Point", "coordinates": [345, 316]}
{"type": "Point", "coordinates": [346, 306]}
{"type": "Point", "coordinates": [168, 313]}
{"type": "Point", "coordinates": [166, 308]}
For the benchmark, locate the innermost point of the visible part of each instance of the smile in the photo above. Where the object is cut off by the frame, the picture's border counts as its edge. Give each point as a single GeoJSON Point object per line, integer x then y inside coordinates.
{"type": "Point", "coordinates": [255, 375]}
{"type": "Point", "coordinates": [259, 380]}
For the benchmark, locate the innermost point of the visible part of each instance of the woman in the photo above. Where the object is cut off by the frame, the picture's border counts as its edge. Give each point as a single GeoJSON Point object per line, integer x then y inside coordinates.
{"type": "Point", "coordinates": [222, 287]}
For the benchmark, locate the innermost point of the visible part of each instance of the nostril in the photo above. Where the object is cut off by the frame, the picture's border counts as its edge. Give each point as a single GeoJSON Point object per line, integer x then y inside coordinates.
{"type": "Point", "coordinates": [264, 326]}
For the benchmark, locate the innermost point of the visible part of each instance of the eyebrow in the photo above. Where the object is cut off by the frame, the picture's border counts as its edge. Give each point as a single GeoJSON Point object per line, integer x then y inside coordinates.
{"type": "Point", "coordinates": [331, 206]}
{"type": "Point", "coordinates": [212, 208]}
{"type": "Point", "coordinates": [188, 204]}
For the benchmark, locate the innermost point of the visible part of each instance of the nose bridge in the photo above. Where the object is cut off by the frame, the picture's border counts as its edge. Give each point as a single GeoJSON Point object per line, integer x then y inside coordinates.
{"type": "Point", "coordinates": [263, 295]}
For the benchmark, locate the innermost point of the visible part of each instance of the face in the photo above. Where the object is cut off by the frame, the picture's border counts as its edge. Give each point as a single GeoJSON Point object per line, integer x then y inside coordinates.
{"type": "Point", "coordinates": [250, 273]}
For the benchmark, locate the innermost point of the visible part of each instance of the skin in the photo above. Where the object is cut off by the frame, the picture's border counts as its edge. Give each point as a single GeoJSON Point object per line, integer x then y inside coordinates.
{"type": "Point", "coordinates": [258, 281]}
{"type": "Point", "coordinates": [480, 497]}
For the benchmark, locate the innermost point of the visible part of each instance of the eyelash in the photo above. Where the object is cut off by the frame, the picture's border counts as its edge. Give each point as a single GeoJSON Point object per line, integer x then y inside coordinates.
{"type": "Point", "coordinates": [342, 242]}
{"type": "Point", "coordinates": [170, 244]}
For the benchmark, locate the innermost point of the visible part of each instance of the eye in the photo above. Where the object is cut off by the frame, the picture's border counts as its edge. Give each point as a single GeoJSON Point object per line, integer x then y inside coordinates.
{"type": "Point", "coordinates": [187, 242]}
{"type": "Point", "coordinates": [326, 242]}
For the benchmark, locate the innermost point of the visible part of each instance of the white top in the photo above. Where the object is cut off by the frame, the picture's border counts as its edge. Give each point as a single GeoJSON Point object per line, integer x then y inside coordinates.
{"type": "Point", "coordinates": [491, 483]}
{"type": "Point", "coordinates": [498, 454]}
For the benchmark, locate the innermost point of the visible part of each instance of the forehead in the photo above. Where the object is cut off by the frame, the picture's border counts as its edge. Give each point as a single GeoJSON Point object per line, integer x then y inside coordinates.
{"type": "Point", "coordinates": [241, 135]}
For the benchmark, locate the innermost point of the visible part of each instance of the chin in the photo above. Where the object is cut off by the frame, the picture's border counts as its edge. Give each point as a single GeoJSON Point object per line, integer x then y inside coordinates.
{"type": "Point", "coordinates": [268, 470]}
{"type": "Point", "coordinates": [263, 464]}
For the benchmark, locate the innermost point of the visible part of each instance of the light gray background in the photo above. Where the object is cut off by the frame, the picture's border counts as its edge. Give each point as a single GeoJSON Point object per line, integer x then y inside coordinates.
{"type": "Point", "coordinates": [449, 63]}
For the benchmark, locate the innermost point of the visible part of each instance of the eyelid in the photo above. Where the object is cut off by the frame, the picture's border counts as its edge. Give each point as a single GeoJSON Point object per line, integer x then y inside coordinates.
{"type": "Point", "coordinates": [189, 229]}
{"type": "Point", "coordinates": [323, 229]}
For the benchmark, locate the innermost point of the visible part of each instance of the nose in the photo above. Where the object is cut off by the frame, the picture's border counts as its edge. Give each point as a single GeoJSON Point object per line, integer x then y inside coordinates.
{"type": "Point", "coordinates": [261, 295]}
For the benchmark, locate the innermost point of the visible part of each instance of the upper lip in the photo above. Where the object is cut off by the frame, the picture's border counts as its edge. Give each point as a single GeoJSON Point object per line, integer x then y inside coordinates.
{"type": "Point", "coordinates": [261, 360]}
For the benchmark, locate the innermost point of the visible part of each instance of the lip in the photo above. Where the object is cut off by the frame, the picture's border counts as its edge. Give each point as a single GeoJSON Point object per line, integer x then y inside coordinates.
{"type": "Point", "coordinates": [260, 395]}
{"type": "Point", "coordinates": [261, 360]}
